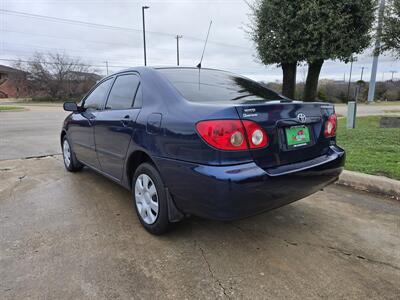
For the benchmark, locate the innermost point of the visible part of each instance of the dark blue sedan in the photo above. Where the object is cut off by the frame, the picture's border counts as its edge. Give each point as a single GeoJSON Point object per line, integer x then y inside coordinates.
{"type": "Point", "coordinates": [190, 141]}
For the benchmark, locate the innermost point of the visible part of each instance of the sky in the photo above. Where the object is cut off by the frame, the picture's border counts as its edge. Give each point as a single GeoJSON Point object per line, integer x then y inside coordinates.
{"type": "Point", "coordinates": [24, 31]}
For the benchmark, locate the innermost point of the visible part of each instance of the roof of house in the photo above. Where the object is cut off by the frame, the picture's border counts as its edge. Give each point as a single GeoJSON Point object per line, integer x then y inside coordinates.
{"type": "Point", "coordinates": [7, 69]}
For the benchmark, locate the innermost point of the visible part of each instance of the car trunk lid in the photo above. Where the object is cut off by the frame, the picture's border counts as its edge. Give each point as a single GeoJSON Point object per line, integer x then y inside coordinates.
{"type": "Point", "coordinates": [295, 131]}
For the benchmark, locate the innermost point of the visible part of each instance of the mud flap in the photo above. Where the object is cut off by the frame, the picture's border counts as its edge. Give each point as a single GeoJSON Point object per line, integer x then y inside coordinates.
{"type": "Point", "coordinates": [174, 214]}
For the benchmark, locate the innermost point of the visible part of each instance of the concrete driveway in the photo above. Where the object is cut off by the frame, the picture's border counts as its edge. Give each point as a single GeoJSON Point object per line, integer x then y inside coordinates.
{"type": "Point", "coordinates": [76, 236]}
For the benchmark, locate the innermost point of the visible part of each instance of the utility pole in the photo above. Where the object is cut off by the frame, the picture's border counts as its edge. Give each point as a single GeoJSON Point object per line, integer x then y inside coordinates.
{"type": "Point", "coordinates": [144, 35]}
{"type": "Point", "coordinates": [106, 66]}
{"type": "Point", "coordinates": [360, 83]}
{"type": "Point", "coordinates": [351, 71]}
{"type": "Point", "coordinates": [393, 72]}
{"type": "Point", "coordinates": [372, 82]}
{"type": "Point", "coordinates": [177, 48]}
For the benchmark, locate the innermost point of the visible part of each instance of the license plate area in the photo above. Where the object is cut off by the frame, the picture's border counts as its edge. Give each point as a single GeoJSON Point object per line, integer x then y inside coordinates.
{"type": "Point", "coordinates": [297, 136]}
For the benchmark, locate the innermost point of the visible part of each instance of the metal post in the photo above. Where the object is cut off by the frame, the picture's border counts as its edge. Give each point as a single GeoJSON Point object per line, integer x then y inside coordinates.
{"type": "Point", "coordinates": [177, 48]}
{"type": "Point", "coordinates": [372, 82]}
{"type": "Point", "coordinates": [362, 73]}
{"type": "Point", "coordinates": [144, 35]}
{"type": "Point", "coordinates": [351, 114]}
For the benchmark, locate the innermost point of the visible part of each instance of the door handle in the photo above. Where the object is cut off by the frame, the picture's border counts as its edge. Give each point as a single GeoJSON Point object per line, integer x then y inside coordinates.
{"type": "Point", "coordinates": [126, 120]}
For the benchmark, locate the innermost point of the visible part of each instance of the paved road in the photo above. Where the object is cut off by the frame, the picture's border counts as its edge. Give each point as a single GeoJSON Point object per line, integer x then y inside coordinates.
{"type": "Point", "coordinates": [75, 236]}
{"type": "Point", "coordinates": [369, 110]}
{"type": "Point", "coordinates": [33, 132]}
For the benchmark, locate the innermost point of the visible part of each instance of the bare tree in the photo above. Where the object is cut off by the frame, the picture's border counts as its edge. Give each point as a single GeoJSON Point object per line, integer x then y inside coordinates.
{"type": "Point", "coordinates": [59, 75]}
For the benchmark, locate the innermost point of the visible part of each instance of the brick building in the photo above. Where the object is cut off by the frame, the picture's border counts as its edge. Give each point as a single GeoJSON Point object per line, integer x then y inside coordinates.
{"type": "Point", "coordinates": [13, 83]}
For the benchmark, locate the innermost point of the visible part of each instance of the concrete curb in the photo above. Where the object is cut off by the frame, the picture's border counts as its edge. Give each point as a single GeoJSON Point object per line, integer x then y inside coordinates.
{"type": "Point", "coordinates": [371, 183]}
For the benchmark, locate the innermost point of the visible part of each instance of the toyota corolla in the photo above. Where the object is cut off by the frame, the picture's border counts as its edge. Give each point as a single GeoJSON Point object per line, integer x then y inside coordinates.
{"type": "Point", "coordinates": [204, 142]}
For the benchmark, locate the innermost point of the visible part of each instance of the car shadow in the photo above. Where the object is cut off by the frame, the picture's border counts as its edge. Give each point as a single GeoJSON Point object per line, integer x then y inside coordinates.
{"type": "Point", "coordinates": [283, 223]}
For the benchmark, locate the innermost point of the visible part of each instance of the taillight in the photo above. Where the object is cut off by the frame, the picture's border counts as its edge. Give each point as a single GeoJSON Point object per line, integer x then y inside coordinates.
{"type": "Point", "coordinates": [330, 126]}
{"type": "Point", "coordinates": [256, 136]}
{"type": "Point", "coordinates": [223, 134]}
{"type": "Point", "coordinates": [232, 134]}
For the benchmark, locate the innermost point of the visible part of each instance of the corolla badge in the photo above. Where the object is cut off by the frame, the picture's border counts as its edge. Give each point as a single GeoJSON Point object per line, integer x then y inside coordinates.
{"type": "Point", "coordinates": [302, 117]}
{"type": "Point", "coordinates": [249, 112]}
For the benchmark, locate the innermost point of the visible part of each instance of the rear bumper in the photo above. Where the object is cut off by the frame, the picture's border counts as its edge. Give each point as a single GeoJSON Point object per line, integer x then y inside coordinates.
{"type": "Point", "coordinates": [233, 192]}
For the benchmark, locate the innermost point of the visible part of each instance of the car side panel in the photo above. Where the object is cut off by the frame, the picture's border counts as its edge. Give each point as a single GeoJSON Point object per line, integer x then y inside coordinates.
{"type": "Point", "coordinates": [81, 135]}
{"type": "Point", "coordinates": [113, 132]}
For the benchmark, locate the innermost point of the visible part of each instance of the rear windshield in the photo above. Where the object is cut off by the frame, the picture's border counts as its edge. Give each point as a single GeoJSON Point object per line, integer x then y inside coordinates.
{"type": "Point", "coordinates": [204, 85]}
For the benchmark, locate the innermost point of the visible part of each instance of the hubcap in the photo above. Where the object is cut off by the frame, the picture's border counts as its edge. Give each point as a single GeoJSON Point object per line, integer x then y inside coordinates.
{"type": "Point", "coordinates": [66, 153]}
{"type": "Point", "coordinates": [146, 198]}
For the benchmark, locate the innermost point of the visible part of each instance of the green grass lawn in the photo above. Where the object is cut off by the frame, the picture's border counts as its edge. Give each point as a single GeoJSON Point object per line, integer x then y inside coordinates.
{"type": "Point", "coordinates": [370, 149]}
{"type": "Point", "coordinates": [392, 111]}
{"type": "Point", "coordinates": [10, 108]}
{"type": "Point", "coordinates": [386, 103]}
{"type": "Point", "coordinates": [374, 103]}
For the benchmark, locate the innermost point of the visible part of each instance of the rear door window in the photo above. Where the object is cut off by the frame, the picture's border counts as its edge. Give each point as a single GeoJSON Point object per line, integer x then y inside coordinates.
{"type": "Point", "coordinates": [123, 92]}
{"type": "Point", "coordinates": [98, 96]}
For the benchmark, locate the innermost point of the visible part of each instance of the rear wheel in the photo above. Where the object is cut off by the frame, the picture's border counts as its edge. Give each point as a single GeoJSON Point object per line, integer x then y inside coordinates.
{"type": "Point", "coordinates": [150, 199]}
{"type": "Point", "coordinates": [70, 161]}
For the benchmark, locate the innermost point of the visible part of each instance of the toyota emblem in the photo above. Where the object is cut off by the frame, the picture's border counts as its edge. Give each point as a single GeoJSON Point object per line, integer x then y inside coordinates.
{"type": "Point", "coordinates": [302, 117]}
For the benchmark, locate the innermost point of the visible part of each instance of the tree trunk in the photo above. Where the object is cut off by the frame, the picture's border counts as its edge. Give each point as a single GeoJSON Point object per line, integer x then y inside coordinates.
{"type": "Point", "coordinates": [310, 90]}
{"type": "Point", "coordinates": [289, 79]}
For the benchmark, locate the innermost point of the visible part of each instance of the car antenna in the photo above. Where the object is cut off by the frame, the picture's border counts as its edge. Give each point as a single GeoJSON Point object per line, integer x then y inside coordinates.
{"type": "Point", "coordinates": [205, 44]}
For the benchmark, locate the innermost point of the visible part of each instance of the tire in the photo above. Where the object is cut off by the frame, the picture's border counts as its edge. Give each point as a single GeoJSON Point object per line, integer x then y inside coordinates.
{"type": "Point", "coordinates": [69, 157]}
{"type": "Point", "coordinates": [145, 199]}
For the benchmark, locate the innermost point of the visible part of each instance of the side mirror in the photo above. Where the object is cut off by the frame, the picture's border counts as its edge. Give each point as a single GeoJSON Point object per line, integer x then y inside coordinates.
{"type": "Point", "coordinates": [70, 106]}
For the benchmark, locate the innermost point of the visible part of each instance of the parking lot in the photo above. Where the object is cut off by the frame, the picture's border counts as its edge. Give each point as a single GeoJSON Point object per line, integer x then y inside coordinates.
{"type": "Point", "coordinates": [73, 236]}
{"type": "Point", "coordinates": [31, 132]}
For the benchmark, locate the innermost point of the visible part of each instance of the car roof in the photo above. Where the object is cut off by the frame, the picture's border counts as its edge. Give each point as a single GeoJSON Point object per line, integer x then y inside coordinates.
{"type": "Point", "coordinates": [152, 68]}
{"type": "Point", "coordinates": [185, 68]}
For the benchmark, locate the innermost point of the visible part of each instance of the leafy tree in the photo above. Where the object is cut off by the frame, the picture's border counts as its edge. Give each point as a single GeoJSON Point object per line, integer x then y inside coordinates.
{"type": "Point", "coordinates": [333, 30]}
{"type": "Point", "coordinates": [287, 32]}
{"type": "Point", "coordinates": [322, 95]}
{"type": "Point", "coordinates": [391, 28]}
{"type": "Point", "coordinates": [275, 31]}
